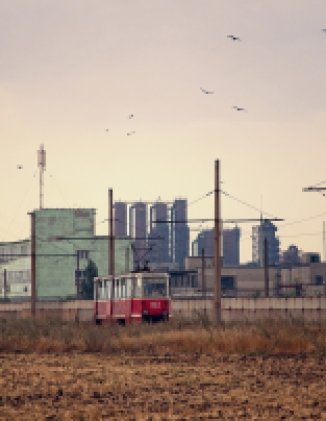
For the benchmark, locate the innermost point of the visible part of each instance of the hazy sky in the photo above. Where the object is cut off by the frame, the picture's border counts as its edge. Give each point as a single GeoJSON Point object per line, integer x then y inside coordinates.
{"type": "Point", "coordinates": [70, 69]}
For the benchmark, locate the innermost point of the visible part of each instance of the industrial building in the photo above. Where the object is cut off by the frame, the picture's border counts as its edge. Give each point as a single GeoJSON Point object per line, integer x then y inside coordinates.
{"type": "Point", "coordinates": [65, 241]}
{"type": "Point", "coordinates": [15, 269]}
{"type": "Point", "coordinates": [306, 279]}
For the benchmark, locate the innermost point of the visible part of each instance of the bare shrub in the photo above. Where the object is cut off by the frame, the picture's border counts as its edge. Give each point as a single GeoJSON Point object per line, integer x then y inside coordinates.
{"type": "Point", "coordinates": [177, 336]}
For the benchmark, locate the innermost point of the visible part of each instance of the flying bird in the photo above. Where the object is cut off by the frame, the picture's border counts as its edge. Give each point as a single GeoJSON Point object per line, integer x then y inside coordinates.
{"type": "Point", "coordinates": [235, 107]}
{"type": "Point", "coordinates": [324, 30]}
{"type": "Point", "coordinates": [19, 167]}
{"type": "Point", "coordinates": [107, 130]}
{"type": "Point", "coordinates": [131, 133]}
{"type": "Point", "coordinates": [206, 92]}
{"type": "Point", "coordinates": [233, 37]}
{"type": "Point", "coordinates": [130, 116]}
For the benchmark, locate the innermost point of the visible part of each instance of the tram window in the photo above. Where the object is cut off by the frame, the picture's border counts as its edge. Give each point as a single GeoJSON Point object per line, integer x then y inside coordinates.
{"type": "Point", "coordinates": [117, 285]}
{"type": "Point", "coordinates": [113, 288]}
{"type": "Point", "coordinates": [96, 288]}
{"type": "Point", "coordinates": [104, 289]}
{"type": "Point", "coordinates": [129, 287]}
{"type": "Point", "coordinates": [138, 288]}
{"type": "Point", "coordinates": [123, 288]}
{"type": "Point", "coordinates": [155, 287]}
{"type": "Point", "coordinates": [109, 289]}
{"type": "Point", "coordinates": [99, 290]}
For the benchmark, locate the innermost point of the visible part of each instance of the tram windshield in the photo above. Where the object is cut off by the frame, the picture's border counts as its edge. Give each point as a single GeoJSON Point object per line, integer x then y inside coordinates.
{"type": "Point", "coordinates": [154, 287]}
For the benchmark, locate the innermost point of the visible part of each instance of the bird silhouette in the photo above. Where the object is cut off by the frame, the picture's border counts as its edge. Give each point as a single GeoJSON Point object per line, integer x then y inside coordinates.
{"type": "Point", "coordinates": [233, 37]}
{"type": "Point", "coordinates": [131, 133]}
{"type": "Point", "coordinates": [107, 130]}
{"type": "Point", "coordinates": [235, 107]}
{"type": "Point", "coordinates": [19, 167]}
{"type": "Point", "coordinates": [130, 116]}
{"type": "Point", "coordinates": [206, 92]}
{"type": "Point", "coordinates": [324, 30]}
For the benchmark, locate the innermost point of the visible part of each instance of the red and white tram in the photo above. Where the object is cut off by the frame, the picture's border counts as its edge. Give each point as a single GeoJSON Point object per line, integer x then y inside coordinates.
{"type": "Point", "coordinates": [132, 297]}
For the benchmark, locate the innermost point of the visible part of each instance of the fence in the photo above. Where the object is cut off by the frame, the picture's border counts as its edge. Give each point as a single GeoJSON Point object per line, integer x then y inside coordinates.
{"type": "Point", "coordinates": [310, 309]}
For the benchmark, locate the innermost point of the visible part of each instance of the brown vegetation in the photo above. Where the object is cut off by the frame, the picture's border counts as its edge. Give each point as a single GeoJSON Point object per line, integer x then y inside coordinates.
{"type": "Point", "coordinates": [46, 336]}
{"type": "Point", "coordinates": [174, 371]}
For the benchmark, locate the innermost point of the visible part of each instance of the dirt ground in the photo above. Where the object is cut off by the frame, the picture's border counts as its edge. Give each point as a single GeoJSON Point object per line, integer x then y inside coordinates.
{"type": "Point", "coordinates": [187, 387]}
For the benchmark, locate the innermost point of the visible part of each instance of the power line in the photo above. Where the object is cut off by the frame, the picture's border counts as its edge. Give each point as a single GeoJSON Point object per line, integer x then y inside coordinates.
{"type": "Point", "coordinates": [245, 203]}
{"type": "Point", "coordinates": [309, 218]}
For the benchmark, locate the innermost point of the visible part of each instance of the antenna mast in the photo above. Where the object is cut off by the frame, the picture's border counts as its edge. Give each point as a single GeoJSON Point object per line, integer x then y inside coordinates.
{"type": "Point", "coordinates": [41, 162]}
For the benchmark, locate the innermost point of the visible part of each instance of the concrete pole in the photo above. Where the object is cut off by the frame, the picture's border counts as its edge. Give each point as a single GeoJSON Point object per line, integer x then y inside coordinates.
{"type": "Point", "coordinates": [217, 313]}
{"type": "Point", "coordinates": [324, 242]}
{"type": "Point", "coordinates": [111, 235]}
{"type": "Point", "coordinates": [33, 266]}
{"type": "Point", "coordinates": [203, 277]}
{"type": "Point", "coordinates": [5, 284]}
{"type": "Point", "coordinates": [127, 258]}
{"type": "Point", "coordinates": [266, 267]}
{"type": "Point", "coordinates": [78, 275]}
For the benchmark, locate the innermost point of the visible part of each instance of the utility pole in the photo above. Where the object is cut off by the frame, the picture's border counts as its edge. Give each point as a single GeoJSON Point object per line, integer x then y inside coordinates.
{"type": "Point", "coordinates": [266, 265]}
{"type": "Point", "coordinates": [111, 235]}
{"type": "Point", "coordinates": [217, 313]}
{"type": "Point", "coordinates": [5, 284]}
{"type": "Point", "coordinates": [78, 274]}
{"type": "Point", "coordinates": [33, 266]}
{"type": "Point", "coordinates": [203, 277]}
{"type": "Point", "coordinates": [324, 242]}
{"type": "Point", "coordinates": [127, 258]}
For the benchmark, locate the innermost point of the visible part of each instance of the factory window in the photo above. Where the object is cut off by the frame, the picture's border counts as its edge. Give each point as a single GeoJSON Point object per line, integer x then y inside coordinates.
{"type": "Point", "coordinates": [82, 254]}
{"type": "Point", "coordinates": [319, 280]}
{"type": "Point", "coordinates": [227, 282]}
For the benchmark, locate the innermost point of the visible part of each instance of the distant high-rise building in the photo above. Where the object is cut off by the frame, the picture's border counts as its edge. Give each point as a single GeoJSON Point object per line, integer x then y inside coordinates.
{"type": "Point", "coordinates": [158, 237]}
{"type": "Point", "coordinates": [120, 219]}
{"type": "Point", "coordinates": [179, 239]}
{"type": "Point", "coordinates": [138, 231]}
{"type": "Point", "coordinates": [291, 256]}
{"type": "Point", "coordinates": [230, 244]}
{"type": "Point", "coordinates": [163, 240]}
{"type": "Point", "coordinates": [204, 243]}
{"type": "Point", "coordinates": [231, 247]}
{"type": "Point", "coordinates": [264, 235]}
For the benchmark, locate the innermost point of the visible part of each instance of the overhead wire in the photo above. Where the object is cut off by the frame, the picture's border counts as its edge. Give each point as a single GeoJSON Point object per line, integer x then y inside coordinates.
{"type": "Point", "coordinates": [246, 204]}
{"type": "Point", "coordinates": [298, 221]}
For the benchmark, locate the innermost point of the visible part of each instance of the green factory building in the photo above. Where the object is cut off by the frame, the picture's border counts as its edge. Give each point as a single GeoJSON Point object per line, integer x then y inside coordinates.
{"type": "Point", "coordinates": [65, 243]}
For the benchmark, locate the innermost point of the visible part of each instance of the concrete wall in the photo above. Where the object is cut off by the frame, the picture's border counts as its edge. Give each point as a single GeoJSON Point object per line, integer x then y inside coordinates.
{"type": "Point", "coordinates": [81, 310]}
{"type": "Point", "coordinates": [233, 309]}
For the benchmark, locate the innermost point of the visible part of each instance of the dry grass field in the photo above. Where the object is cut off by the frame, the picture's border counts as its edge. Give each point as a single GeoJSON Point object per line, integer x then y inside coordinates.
{"type": "Point", "coordinates": [50, 371]}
